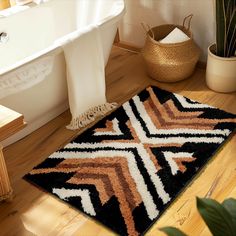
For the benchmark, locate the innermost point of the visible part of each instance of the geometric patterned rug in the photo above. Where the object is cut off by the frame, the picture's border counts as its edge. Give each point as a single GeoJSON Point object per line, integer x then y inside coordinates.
{"type": "Point", "coordinates": [128, 168]}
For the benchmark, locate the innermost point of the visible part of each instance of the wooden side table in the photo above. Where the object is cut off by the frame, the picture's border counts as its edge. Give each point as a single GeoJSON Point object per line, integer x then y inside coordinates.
{"type": "Point", "coordinates": [10, 123]}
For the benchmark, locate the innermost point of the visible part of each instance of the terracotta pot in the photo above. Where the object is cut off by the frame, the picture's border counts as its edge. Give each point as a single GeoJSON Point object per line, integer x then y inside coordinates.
{"type": "Point", "coordinates": [220, 72]}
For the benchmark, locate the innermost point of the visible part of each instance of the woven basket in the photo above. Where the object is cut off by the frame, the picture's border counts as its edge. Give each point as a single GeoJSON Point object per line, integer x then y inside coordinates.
{"type": "Point", "coordinates": [170, 62]}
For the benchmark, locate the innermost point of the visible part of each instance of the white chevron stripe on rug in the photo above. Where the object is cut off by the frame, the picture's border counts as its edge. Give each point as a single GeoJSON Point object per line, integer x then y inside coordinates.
{"type": "Point", "coordinates": [153, 130]}
{"type": "Point", "coordinates": [170, 156]}
{"type": "Point", "coordinates": [186, 104]}
{"type": "Point", "coordinates": [115, 124]}
{"type": "Point", "coordinates": [84, 194]}
{"type": "Point", "coordinates": [153, 140]}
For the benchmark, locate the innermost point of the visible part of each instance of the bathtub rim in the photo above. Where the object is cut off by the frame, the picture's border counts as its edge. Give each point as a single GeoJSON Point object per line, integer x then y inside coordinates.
{"type": "Point", "coordinates": [55, 48]}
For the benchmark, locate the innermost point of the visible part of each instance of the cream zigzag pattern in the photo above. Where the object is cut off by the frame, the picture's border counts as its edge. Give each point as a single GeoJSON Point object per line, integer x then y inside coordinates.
{"type": "Point", "coordinates": [84, 194]}
{"type": "Point", "coordinates": [174, 159]}
{"type": "Point", "coordinates": [153, 130]}
{"type": "Point", "coordinates": [91, 167]}
{"type": "Point", "coordinates": [132, 166]}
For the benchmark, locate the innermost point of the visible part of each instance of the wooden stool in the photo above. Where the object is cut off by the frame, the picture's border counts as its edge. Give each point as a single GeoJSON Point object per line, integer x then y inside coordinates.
{"type": "Point", "coordinates": [10, 123]}
{"type": "Point", "coordinates": [5, 187]}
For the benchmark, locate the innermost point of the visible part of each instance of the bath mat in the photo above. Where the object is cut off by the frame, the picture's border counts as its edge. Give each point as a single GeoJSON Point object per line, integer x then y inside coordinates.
{"type": "Point", "coordinates": [127, 168]}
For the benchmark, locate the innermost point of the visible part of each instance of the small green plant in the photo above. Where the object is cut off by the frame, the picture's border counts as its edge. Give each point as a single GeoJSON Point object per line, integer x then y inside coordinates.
{"type": "Point", "coordinates": [220, 218]}
{"type": "Point", "coordinates": [225, 28]}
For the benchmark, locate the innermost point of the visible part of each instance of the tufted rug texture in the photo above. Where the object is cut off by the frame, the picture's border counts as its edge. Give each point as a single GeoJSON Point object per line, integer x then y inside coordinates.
{"type": "Point", "coordinates": [127, 169]}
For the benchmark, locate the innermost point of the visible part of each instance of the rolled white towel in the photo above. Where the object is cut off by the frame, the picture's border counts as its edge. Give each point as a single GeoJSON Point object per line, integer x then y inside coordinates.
{"type": "Point", "coordinates": [175, 36]}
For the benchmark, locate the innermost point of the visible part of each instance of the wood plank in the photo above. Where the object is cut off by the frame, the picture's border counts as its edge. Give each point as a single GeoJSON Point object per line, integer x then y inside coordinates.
{"type": "Point", "coordinates": [128, 46]}
{"type": "Point", "coordinates": [5, 187]}
{"type": "Point", "coordinates": [10, 122]}
{"type": "Point", "coordinates": [125, 77]}
{"type": "Point", "coordinates": [4, 4]}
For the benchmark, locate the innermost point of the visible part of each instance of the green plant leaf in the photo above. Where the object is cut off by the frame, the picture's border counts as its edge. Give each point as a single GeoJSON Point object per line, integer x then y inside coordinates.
{"type": "Point", "coordinates": [220, 27]}
{"type": "Point", "coordinates": [172, 231]}
{"type": "Point", "coordinates": [230, 205]}
{"type": "Point", "coordinates": [217, 218]}
{"type": "Point", "coordinates": [225, 28]}
{"type": "Point", "coordinates": [231, 35]}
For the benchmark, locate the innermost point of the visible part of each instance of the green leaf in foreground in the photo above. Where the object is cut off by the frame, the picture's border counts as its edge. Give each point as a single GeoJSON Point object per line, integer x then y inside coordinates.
{"type": "Point", "coordinates": [217, 218]}
{"type": "Point", "coordinates": [172, 231]}
{"type": "Point", "coordinates": [230, 205]}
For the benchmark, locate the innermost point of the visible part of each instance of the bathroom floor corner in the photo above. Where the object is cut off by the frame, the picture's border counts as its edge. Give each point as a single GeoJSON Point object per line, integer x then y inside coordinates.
{"type": "Point", "coordinates": [33, 212]}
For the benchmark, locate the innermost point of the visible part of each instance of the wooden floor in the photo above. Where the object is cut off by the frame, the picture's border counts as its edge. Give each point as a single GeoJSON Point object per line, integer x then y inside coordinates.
{"type": "Point", "coordinates": [33, 212]}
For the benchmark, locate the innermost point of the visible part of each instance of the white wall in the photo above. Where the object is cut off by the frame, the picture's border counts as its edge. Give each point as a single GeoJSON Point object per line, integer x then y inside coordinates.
{"type": "Point", "coordinates": [156, 12]}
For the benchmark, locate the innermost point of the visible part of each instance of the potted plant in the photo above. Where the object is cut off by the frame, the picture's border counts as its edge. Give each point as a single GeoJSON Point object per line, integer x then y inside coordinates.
{"type": "Point", "coordinates": [221, 62]}
{"type": "Point", "coordinates": [220, 218]}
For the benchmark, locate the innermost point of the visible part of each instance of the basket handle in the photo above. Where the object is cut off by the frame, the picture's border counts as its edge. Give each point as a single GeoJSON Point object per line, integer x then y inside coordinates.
{"type": "Point", "coordinates": [187, 19]}
{"type": "Point", "coordinates": [147, 28]}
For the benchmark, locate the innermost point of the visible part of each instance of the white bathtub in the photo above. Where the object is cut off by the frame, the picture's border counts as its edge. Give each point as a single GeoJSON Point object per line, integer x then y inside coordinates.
{"type": "Point", "coordinates": [32, 33]}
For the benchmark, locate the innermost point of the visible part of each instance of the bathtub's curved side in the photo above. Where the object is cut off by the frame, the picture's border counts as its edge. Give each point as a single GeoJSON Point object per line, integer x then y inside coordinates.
{"type": "Point", "coordinates": [48, 99]}
{"type": "Point", "coordinates": [42, 102]}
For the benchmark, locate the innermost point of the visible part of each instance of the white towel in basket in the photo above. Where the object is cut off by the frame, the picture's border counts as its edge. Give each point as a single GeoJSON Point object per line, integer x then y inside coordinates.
{"type": "Point", "coordinates": [175, 36]}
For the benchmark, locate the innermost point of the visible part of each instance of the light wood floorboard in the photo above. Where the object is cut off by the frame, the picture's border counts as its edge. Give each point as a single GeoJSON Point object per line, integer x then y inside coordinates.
{"type": "Point", "coordinates": [33, 212]}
